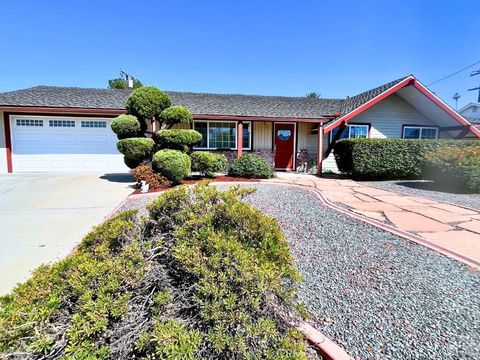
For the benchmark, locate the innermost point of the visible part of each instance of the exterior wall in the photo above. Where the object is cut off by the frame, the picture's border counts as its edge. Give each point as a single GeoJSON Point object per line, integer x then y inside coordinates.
{"type": "Point", "coordinates": [262, 135]}
{"type": "Point", "coordinates": [472, 111]}
{"type": "Point", "coordinates": [3, 150]}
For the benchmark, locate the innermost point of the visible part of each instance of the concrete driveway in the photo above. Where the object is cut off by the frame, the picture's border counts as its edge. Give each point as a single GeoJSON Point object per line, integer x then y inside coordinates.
{"type": "Point", "coordinates": [43, 216]}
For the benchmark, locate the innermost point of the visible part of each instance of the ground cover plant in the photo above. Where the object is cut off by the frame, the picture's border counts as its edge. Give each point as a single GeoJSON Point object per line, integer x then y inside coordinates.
{"type": "Point", "coordinates": [388, 158]}
{"type": "Point", "coordinates": [203, 276]}
{"type": "Point", "coordinates": [454, 168]}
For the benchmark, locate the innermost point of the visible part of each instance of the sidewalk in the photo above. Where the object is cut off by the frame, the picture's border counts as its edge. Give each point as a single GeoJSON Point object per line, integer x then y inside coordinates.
{"type": "Point", "coordinates": [451, 227]}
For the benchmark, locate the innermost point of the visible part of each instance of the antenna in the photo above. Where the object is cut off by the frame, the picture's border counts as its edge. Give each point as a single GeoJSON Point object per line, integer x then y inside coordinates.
{"type": "Point", "coordinates": [455, 97]}
{"type": "Point", "coordinates": [474, 73]}
{"type": "Point", "coordinates": [128, 78]}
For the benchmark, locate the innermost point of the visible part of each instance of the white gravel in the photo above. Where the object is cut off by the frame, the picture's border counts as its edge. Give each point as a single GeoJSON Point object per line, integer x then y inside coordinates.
{"type": "Point", "coordinates": [429, 190]}
{"type": "Point", "coordinates": [375, 294]}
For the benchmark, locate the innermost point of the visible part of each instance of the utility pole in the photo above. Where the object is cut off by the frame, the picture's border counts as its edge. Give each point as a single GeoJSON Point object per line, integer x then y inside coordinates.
{"type": "Point", "coordinates": [474, 73]}
{"type": "Point", "coordinates": [455, 97]}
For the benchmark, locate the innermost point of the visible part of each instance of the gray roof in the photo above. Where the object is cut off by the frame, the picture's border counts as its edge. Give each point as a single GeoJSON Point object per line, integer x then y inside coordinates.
{"type": "Point", "coordinates": [354, 102]}
{"type": "Point", "coordinates": [197, 103]}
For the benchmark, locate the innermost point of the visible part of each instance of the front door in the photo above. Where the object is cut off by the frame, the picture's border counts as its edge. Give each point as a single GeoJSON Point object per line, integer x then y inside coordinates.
{"type": "Point", "coordinates": [284, 146]}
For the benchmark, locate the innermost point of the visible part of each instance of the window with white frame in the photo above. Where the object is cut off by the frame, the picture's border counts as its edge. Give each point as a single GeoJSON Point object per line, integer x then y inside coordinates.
{"type": "Point", "coordinates": [420, 132]}
{"type": "Point", "coordinates": [61, 123]}
{"type": "Point", "coordinates": [222, 134]}
{"type": "Point", "coordinates": [352, 131]}
{"type": "Point", "coordinates": [29, 122]}
{"type": "Point", "coordinates": [93, 124]}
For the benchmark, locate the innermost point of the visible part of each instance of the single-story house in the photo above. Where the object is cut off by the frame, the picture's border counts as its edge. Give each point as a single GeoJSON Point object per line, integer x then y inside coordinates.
{"type": "Point", "coordinates": [66, 129]}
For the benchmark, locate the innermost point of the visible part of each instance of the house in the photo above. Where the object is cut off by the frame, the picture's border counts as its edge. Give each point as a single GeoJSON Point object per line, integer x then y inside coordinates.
{"type": "Point", "coordinates": [49, 129]}
{"type": "Point", "coordinates": [471, 112]}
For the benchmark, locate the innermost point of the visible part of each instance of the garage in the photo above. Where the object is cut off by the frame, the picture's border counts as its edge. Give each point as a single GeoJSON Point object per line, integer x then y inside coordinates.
{"type": "Point", "coordinates": [63, 144]}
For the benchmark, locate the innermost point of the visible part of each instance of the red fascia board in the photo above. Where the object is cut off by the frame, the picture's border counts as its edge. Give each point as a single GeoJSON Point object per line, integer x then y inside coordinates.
{"type": "Point", "coordinates": [8, 141]}
{"type": "Point", "coordinates": [258, 118]}
{"type": "Point", "coordinates": [60, 110]}
{"type": "Point", "coordinates": [407, 81]}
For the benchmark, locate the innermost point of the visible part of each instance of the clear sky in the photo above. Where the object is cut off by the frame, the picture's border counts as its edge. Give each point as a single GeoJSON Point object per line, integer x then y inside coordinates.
{"type": "Point", "coordinates": [337, 48]}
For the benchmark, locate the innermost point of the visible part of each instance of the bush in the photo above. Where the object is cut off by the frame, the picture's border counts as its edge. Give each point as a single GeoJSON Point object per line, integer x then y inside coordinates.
{"type": "Point", "coordinates": [454, 168]}
{"type": "Point", "coordinates": [387, 158]}
{"type": "Point", "coordinates": [155, 181]}
{"type": "Point", "coordinates": [203, 275]}
{"type": "Point", "coordinates": [250, 166]}
{"type": "Point", "coordinates": [126, 126]}
{"type": "Point", "coordinates": [208, 163]}
{"type": "Point", "coordinates": [147, 102]}
{"type": "Point", "coordinates": [176, 115]}
{"type": "Point", "coordinates": [174, 165]}
{"type": "Point", "coordinates": [135, 150]}
{"type": "Point", "coordinates": [177, 139]}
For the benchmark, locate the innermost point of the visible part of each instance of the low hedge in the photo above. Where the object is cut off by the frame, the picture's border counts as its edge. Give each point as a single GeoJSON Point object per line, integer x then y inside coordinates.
{"type": "Point", "coordinates": [387, 158]}
{"type": "Point", "coordinates": [135, 150]}
{"type": "Point", "coordinates": [454, 168]}
{"type": "Point", "coordinates": [126, 126]}
{"type": "Point", "coordinates": [208, 163]}
{"type": "Point", "coordinates": [250, 166]}
{"type": "Point", "coordinates": [172, 164]}
{"type": "Point", "coordinates": [177, 139]}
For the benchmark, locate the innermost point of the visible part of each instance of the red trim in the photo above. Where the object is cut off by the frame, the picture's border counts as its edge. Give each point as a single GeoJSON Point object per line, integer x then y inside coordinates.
{"type": "Point", "coordinates": [239, 138]}
{"type": "Point", "coordinates": [8, 141]}
{"type": "Point", "coordinates": [406, 82]}
{"type": "Point", "coordinates": [52, 110]}
{"type": "Point", "coordinates": [258, 118]}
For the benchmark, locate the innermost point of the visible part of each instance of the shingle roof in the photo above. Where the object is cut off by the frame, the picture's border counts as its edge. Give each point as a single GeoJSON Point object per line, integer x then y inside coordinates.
{"type": "Point", "coordinates": [197, 103]}
{"type": "Point", "coordinates": [354, 102]}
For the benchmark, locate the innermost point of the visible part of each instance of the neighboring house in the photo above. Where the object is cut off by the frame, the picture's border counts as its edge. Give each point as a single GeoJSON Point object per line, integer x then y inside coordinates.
{"type": "Point", "coordinates": [48, 129]}
{"type": "Point", "coordinates": [471, 112]}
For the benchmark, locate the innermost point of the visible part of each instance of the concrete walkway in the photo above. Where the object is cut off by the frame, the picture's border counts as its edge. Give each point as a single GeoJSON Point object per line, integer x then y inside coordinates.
{"type": "Point", "coordinates": [43, 216]}
{"type": "Point", "coordinates": [446, 226]}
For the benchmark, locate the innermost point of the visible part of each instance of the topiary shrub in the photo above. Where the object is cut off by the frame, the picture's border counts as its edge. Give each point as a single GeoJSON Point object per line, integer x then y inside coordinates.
{"type": "Point", "coordinates": [454, 168]}
{"type": "Point", "coordinates": [147, 102]}
{"type": "Point", "coordinates": [126, 126]}
{"type": "Point", "coordinates": [145, 173]}
{"type": "Point", "coordinates": [207, 163]}
{"type": "Point", "coordinates": [250, 166]}
{"type": "Point", "coordinates": [177, 139]}
{"type": "Point", "coordinates": [176, 115]}
{"type": "Point", "coordinates": [203, 275]}
{"type": "Point", "coordinates": [135, 150]}
{"type": "Point", "coordinates": [387, 158]}
{"type": "Point", "coordinates": [174, 165]}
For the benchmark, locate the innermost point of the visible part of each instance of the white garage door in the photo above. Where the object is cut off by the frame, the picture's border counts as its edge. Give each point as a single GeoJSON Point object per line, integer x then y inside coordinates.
{"type": "Point", "coordinates": [54, 144]}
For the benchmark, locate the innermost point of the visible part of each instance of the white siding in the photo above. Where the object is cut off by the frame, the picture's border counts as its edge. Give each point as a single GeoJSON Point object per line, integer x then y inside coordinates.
{"type": "Point", "coordinates": [262, 135]}
{"type": "Point", "coordinates": [3, 147]}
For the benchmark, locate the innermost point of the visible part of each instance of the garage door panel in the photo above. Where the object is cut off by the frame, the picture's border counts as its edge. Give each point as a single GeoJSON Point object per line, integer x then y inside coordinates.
{"type": "Point", "coordinates": [57, 148]}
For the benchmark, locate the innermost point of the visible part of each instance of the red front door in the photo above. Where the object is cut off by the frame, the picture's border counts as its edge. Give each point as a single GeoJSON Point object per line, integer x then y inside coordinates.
{"type": "Point", "coordinates": [284, 145]}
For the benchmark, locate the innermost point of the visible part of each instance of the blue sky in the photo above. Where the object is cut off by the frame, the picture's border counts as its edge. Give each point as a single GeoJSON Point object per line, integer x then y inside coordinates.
{"type": "Point", "coordinates": [337, 48]}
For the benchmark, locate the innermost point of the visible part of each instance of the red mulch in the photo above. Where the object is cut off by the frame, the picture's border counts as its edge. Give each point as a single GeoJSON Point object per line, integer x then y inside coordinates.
{"type": "Point", "coordinates": [196, 179]}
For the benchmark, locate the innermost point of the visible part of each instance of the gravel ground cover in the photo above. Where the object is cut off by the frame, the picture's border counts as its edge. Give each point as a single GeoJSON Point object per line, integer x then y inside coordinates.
{"type": "Point", "coordinates": [375, 294]}
{"type": "Point", "coordinates": [429, 190]}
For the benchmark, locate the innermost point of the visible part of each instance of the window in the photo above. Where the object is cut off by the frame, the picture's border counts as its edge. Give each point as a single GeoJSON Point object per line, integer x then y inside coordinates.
{"type": "Point", "coordinates": [352, 131]}
{"type": "Point", "coordinates": [93, 124]}
{"type": "Point", "coordinates": [61, 123]}
{"type": "Point", "coordinates": [221, 135]}
{"type": "Point", "coordinates": [420, 132]}
{"type": "Point", "coordinates": [29, 122]}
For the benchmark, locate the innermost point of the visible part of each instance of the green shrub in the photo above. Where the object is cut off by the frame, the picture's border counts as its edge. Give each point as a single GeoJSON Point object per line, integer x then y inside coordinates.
{"type": "Point", "coordinates": [207, 163]}
{"type": "Point", "coordinates": [387, 158]}
{"type": "Point", "coordinates": [454, 168]}
{"type": "Point", "coordinates": [250, 166]}
{"type": "Point", "coordinates": [147, 102]}
{"type": "Point", "coordinates": [177, 139]}
{"type": "Point", "coordinates": [176, 115]}
{"type": "Point", "coordinates": [172, 164]}
{"type": "Point", "coordinates": [135, 150]}
{"type": "Point", "coordinates": [126, 126]}
{"type": "Point", "coordinates": [145, 173]}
